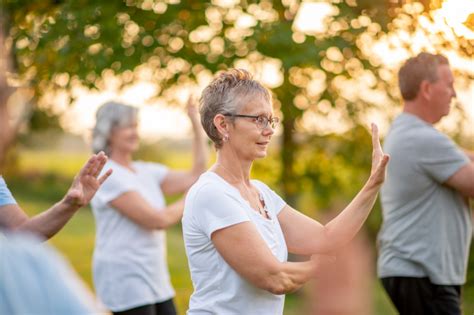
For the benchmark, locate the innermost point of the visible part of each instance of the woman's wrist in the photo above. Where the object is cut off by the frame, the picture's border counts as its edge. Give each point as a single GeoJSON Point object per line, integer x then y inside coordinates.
{"type": "Point", "coordinates": [373, 183]}
{"type": "Point", "coordinates": [69, 203]}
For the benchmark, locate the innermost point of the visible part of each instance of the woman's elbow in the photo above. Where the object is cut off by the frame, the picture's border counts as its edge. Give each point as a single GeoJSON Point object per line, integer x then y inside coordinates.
{"type": "Point", "coordinates": [157, 222]}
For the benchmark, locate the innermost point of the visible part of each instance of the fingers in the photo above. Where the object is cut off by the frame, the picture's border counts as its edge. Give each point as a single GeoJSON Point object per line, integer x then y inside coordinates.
{"type": "Point", "coordinates": [94, 165]}
{"type": "Point", "coordinates": [191, 106]}
{"type": "Point", "coordinates": [384, 161]}
{"type": "Point", "coordinates": [379, 172]}
{"type": "Point", "coordinates": [375, 137]}
{"type": "Point", "coordinates": [99, 165]}
{"type": "Point", "coordinates": [190, 101]}
{"type": "Point", "coordinates": [87, 168]}
{"type": "Point", "coordinates": [105, 176]}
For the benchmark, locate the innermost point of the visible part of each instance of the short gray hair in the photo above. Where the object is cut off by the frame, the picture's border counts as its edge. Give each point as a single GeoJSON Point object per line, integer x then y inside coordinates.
{"type": "Point", "coordinates": [226, 94]}
{"type": "Point", "coordinates": [108, 116]}
{"type": "Point", "coordinates": [417, 69]}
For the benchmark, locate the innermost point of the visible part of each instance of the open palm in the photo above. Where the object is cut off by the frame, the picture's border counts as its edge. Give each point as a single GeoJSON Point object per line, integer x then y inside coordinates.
{"type": "Point", "coordinates": [379, 159]}
{"type": "Point", "coordinates": [87, 182]}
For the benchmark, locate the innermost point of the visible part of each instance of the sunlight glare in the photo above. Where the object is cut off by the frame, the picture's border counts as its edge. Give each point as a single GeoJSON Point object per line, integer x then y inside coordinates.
{"type": "Point", "coordinates": [454, 13]}
{"type": "Point", "coordinates": [311, 17]}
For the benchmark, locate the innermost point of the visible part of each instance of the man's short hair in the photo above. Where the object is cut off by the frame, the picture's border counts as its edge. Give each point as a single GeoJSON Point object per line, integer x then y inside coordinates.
{"type": "Point", "coordinates": [417, 69]}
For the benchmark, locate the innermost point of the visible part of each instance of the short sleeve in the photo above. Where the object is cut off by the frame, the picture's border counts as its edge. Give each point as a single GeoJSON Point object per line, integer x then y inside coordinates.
{"type": "Point", "coordinates": [6, 197]}
{"type": "Point", "coordinates": [441, 157]}
{"type": "Point", "coordinates": [276, 202]}
{"type": "Point", "coordinates": [214, 209]}
{"type": "Point", "coordinates": [157, 170]}
{"type": "Point", "coordinates": [113, 187]}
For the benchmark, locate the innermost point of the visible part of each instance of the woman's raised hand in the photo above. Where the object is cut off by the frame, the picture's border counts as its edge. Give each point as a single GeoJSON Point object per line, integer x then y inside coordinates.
{"type": "Point", "coordinates": [192, 110]}
{"type": "Point", "coordinates": [379, 159]}
{"type": "Point", "coordinates": [87, 182]}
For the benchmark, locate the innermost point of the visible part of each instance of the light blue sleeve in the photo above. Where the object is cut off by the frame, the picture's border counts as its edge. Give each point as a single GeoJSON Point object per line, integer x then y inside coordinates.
{"type": "Point", "coordinates": [36, 280]}
{"type": "Point", "coordinates": [6, 197]}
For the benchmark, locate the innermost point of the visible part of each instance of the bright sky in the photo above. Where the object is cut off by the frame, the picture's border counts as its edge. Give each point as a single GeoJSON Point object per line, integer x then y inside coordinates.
{"type": "Point", "coordinates": [159, 120]}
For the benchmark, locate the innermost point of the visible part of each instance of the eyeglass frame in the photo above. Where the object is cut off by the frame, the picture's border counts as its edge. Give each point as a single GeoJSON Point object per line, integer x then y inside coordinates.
{"type": "Point", "coordinates": [272, 122]}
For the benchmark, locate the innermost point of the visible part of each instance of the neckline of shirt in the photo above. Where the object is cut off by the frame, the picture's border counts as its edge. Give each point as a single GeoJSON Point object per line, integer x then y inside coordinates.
{"type": "Point", "coordinates": [237, 193]}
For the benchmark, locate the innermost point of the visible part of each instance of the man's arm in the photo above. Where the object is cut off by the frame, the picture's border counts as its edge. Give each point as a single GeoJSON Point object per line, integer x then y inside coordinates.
{"type": "Point", "coordinates": [463, 180]}
{"type": "Point", "coordinates": [49, 222]}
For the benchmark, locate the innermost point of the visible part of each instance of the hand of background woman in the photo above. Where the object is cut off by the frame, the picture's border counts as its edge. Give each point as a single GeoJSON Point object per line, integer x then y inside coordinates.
{"type": "Point", "coordinates": [87, 182]}
{"type": "Point", "coordinates": [321, 263]}
{"type": "Point", "coordinates": [193, 111]}
{"type": "Point", "coordinates": [379, 159]}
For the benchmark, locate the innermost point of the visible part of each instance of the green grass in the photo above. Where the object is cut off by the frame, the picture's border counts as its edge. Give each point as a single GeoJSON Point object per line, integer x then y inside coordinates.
{"type": "Point", "coordinates": [39, 186]}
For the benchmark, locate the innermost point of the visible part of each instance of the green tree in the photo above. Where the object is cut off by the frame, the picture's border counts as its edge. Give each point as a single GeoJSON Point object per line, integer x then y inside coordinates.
{"type": "Point", "coordinates": [59, 44]}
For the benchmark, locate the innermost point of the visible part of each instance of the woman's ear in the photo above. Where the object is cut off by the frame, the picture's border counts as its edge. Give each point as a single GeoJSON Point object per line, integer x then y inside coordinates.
{"type": "Point", "coordinates": [221, 125]}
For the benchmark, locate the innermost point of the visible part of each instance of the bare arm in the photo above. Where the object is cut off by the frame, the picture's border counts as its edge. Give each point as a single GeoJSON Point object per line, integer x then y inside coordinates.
{"type": "Point", "coordinates": [463, 180]}
{"type": "Point", "coordinates": [49, 222]}
{"type": "Point", "coordinates": [246, 252]}
{"type": "Point", "coordinates": [306, 236]}
{"type": "Point", "coordinates": [180, 181]}
{"type": "Point", "coordinates": [132, 205]}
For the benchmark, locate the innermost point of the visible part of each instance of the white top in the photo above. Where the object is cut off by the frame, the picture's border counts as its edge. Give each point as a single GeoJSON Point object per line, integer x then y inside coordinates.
{"type": "Point", "coordinates": [129, 263]}
{"type": "Point", "coordinates": [213, 204]}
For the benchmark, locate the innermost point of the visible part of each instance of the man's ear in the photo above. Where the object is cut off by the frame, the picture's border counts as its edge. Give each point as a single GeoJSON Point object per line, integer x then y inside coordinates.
{"type": "Point", "coordinates": [425, 89]}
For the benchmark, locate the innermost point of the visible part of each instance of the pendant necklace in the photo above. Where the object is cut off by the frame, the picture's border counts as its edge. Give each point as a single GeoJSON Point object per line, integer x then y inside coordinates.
{"type": "Point", "coordinates": [262, 211]}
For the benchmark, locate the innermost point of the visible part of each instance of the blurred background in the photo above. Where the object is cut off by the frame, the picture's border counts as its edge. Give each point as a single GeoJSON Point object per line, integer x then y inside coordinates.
{"type": "Point", "coordinates": [331, 66]}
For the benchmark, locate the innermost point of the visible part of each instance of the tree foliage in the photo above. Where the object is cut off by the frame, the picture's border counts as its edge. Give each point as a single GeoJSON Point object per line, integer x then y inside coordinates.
{"type": "Point", "coordinates": [64, 43]}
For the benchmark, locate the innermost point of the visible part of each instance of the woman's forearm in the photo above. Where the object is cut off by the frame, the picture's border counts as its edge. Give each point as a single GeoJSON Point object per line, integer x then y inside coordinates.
{"type": "Point", "coordinates": [288, 277]}
{"type": "Point", "coordinates": [345, 226]}
{"type": "Point", "coordinates": [171, 215]}
{"type": "Point", "coordinates": [49, 222]}
{"type": "Point", "coordinates": [200, 153]}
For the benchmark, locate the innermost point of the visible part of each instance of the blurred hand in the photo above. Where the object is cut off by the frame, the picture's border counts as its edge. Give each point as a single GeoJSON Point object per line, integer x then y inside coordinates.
{"type": "Point", "coordinates": [192, 110]}
{"type": "Point", "coordinates": [379, 159]}
{"type": "Point", "coordinates": [86, 183]}
{"type": "Point", "coordinates": [321, 262]}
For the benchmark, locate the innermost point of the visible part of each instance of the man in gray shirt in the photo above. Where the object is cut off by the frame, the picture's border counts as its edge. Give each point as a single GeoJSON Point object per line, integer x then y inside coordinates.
{"type": "Point", "coordinates": [427, 228]}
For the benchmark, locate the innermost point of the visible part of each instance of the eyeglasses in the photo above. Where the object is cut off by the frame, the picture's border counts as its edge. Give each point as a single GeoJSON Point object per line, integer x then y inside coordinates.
{"type": "Point", "coordinates": [261, 121]}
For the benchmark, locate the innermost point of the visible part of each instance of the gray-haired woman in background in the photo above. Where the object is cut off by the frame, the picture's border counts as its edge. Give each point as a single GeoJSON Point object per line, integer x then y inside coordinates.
{"type": "Point", "coordinates": [129, 264]}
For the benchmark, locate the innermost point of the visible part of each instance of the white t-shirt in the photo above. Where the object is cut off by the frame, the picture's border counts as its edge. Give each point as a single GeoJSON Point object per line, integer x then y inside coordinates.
{"type": "Point", "coordinates": [213, 204]}
{"type": "Point", "coordinates": [129, 263]}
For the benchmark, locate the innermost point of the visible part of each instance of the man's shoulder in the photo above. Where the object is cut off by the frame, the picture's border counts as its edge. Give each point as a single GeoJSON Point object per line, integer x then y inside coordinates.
{"type": "Point", "coordinates": [410, 128]}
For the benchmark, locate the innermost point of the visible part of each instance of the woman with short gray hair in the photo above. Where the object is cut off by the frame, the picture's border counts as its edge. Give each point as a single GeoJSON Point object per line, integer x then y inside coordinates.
{"type": "Point", "coordinates": [129, 264]}
{"type": "Point", "coordinates": [237, 231]}
{"type": "Point", "coordinates": [109, 115]}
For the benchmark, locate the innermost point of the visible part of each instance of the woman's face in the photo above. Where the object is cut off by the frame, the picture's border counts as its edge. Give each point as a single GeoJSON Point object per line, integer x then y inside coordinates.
{"type": "Point", "coordinates": [249, 138]}
{"type": "Point", "coordinates": [125, 138]}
